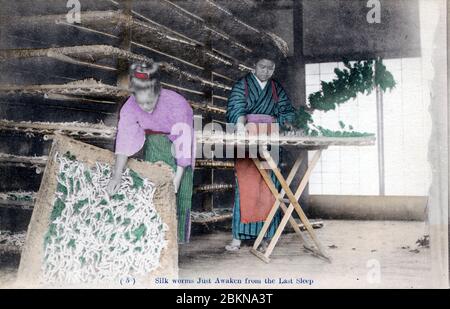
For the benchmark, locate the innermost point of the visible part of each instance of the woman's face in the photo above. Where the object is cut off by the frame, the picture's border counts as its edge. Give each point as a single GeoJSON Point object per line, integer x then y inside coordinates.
{"type": "Point", "coordinates": [264, 69]}
{"type": "Point", "coordinates": [146, 99]}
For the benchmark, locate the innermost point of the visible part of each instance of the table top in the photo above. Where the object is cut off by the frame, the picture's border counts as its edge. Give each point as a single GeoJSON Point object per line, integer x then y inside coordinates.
{"type": "Point", "coordinates": [293, 140]}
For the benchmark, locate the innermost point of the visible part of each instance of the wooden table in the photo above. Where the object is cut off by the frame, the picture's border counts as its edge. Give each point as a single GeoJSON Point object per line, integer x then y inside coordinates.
{"type": "Point", "coordinates": [290, 204]}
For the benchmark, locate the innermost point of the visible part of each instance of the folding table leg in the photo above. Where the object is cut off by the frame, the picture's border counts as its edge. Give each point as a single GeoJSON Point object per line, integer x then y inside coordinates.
{"type": "Point", "coordinates": [297, 230]}
{"type": "Point", "coordinates": [294, 198]}
{"type": "Point", "coordinates": [289, 179]}
{"type": "Point", "coordinates": [279, 230]}
{"type": "Point", "coordinates": [278, 203]}
{"type": "Point", "coordinates": [272, 212]}
{"type": "Point", "coordinates": [278, 197]}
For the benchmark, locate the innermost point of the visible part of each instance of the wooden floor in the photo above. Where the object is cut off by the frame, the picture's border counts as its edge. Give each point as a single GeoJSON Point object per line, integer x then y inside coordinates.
{"type": "Point", "coordinates": [358, 249]}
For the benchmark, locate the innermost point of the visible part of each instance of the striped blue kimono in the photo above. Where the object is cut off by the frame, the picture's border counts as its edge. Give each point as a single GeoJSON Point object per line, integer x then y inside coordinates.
{"type": "Point", "coordinates": [247, 97]}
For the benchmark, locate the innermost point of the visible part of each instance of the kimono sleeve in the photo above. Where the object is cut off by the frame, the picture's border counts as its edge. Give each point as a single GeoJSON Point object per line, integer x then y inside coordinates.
{"type": "Point", "coordinates": [182, 137]}
{"type": "Point", "coordinates": [130, 135]}
{"type": "Point", "coordinates": [236, 102]}
{"type": "Point", "coordinates": [286, 112]}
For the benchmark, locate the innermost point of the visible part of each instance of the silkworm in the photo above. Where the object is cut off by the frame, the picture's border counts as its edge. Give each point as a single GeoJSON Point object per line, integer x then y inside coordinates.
{"type": "Point", "coordinates": [97, 238]}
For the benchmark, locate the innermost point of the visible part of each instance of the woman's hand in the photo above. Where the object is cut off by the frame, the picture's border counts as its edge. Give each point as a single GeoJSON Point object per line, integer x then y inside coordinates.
{"type": "Point", "coordinates": [240, 125]}
{"type": "Point", "coordinates": [177, 178]}
{"type": "Point", "coordinates": [289, 126]}
{"type": "Point", "coordinates": [293, 130]}
{"type": "Point", "coordinates": [113, 185]}
{"type": "Point", "coordinates": [176, 183]}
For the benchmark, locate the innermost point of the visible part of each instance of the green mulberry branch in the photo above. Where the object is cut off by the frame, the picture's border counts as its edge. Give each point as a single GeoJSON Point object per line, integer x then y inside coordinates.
{"type": "Point", "coordinates": [361, 77]}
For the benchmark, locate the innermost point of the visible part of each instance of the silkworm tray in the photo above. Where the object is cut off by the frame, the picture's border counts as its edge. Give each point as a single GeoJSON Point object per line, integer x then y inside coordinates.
{"type": "Point", "coordinates": [81, 236]}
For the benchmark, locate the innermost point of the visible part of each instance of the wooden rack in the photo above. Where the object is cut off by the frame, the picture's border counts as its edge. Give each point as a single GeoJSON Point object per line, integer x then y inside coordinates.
{"type": "Point", "coordinates": [202, 63]}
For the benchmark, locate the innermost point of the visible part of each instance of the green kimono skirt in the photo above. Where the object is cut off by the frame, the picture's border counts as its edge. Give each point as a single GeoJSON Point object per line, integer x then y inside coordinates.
{"type": "Point", "coordinates": [158, 147]}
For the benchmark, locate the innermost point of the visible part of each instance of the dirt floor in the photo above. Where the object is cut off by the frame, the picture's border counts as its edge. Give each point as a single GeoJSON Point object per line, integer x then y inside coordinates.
{"type": "Point", "coordinates": [7, 277]}
{"type": "Point", "coordinates": [358, 249]}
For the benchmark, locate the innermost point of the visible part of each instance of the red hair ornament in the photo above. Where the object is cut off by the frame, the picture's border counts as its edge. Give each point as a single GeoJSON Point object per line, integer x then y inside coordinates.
{"type": "Point", "coordinates": [141, 75]}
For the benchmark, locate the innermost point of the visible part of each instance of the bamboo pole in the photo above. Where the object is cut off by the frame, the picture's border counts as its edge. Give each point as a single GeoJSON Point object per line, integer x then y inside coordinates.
{"type": "Point", "coordinates": [222, 14]}
{"type": "Point", "coordinates": [81, 90]}
{"type": "Point", "coordinates": [172, 7]}
{"type": "Point", "coordinates": [69, 128]}
{"type": "Point", "coordinates": [10, 159]}
{"type": "Point", "coordinates": [103, 51]}
{"type": "Point", "coordinates": [207, 217]}
{"type": "Point", "coordinates": [214, 164]}
{"type": "Point", "coordinates": [144, 33]}
{"type": "Point", "coordinates": [213, 188]}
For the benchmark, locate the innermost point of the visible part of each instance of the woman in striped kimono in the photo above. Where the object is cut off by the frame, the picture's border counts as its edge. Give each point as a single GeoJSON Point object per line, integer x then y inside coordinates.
{"type": "Point", "coordinates": [256, 98]}
{"type": "Point", "coordinates": [160, 121]}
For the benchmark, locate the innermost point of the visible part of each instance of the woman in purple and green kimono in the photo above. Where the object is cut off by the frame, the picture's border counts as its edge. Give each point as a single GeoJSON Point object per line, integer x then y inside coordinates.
{"type": "Point", "coordinates": [256, 98]}
{"type": "Point", "coordinates": [161, 121]}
